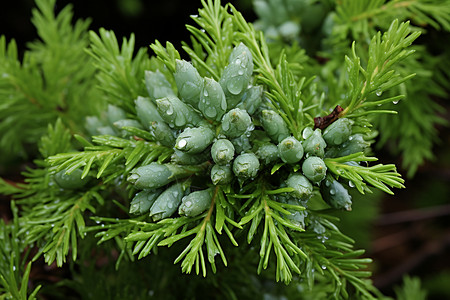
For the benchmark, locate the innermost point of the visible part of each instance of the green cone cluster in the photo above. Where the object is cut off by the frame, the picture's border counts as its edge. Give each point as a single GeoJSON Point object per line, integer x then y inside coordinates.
{"type": "Point", "coordinates": [223, 133]}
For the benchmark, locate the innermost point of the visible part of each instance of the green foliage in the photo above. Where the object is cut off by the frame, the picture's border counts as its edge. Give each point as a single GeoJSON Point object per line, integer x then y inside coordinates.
{"type": "Point", "coordinates": [335, 25]}
{"type": "Point", "coordinates": [48, 83]}
{"type": "Point", "coordinates": [411, 289]}
{"type": "Point", "coordinates": [11, 264]}
{"type": "Point", "coordinates": [157, 147]}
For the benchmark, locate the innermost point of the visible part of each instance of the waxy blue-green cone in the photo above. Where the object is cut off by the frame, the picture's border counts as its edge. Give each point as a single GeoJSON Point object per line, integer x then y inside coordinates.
{"type": "Point", "coordinates": [71, 181]}
{"type": "Point", "coordinates": [268, 153]}
{"type": "Point", "coordinates": [314, 169]}
{"type": "Point", "coordinates": [303, 188]}
{"type": "Point", "coordinates": [114, 114]}
{"type": "Point", "coordinates": [246, 166]}
{"type": "Point", "coordinates": [176, 113]}
{"type": "Point", "coordinates": [338, 132]}
{"type": "Point", "coordinates": [213, 104]}
{"type": "Point", "coordinates": [143, 200]}
{"type": "Point", "coordinates": [162, 133]}
{"type": "Point", "coordinates": [290, 150]}
{"type": "Point", "coordinates": [127, 123]}
{"type": "Point", "coordinates": [221, 175]}
{"type": "Point", "coordinates": [194, 140]}
{"type": "Point", "coordinates": [167, 203]}
{"type": "Point", "coordinates": [188, 81]}
{"type": "Point", "coordinates": [146, 111]}
{"type": "Point", "coordinates": [236, 122]}
{"type": "Point", "coordinates": [222, 152]}
{"type": "Point", "coordinates": [315, 145]}
{"type": "Point", "coordinates": [296, 217]}
{"type": "Point", "coordinates": [157, 85]}
{"type": "Point", "coordinates": [354, 144]}
{"type": "Point", "coordinates": [156, 175]}
{"type": "Point", "coordinates": [182, 158]}
{"type": "Point", "coordinates": [274, 125]}
{"type": "Point", "coordinates": [335, 194]}
{"type": "Point", "coordinates": [107, 130]}
{"type": "Point", "coordinates": [251, 99]}
{"type": "Point", "coordinates": [93, 124]}
{"type": "Point", "coordinates": [195, 203]}
{"type": "Point", "coordinates": [241, 143]}
{"type": "Point", "coordinates": [237, 74]}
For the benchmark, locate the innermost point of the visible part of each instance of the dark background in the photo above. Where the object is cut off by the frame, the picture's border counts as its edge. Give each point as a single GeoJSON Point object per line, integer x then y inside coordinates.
{"type": "Point", "coordinates": [149, 20]}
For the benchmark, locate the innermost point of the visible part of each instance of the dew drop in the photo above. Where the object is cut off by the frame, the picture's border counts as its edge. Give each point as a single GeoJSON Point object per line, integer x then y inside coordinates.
{"type": "Point", "coordinates": [379, 93]}
{"type": "Point", "coordinates": [103, 225]}
{"type": "Point", "coordinates": [169, 110]}
{"type": "Point", "coordinates": [98, 222]}
{"type": "Point", "coordinates": [211, 112]}
{"type": "Point", "coordinates": [395, 102]}
{"type": "Point", "coordinates": [169, 205]}
{"type": "Point", "coordinates": [324, 267]}
{"type": "Point", "coordinates": [238, 61]}
{"type": "Point", "coordinates": [241, 72]}
{"type": "Point", "coordinates": [351, 184]}
{"type": "Point", "coordinates": [332, 192]}
{"type": "Point", "coordinates": [188, 204]}
{"type": "Point", "coordinates": [205, 93]}
{"type": "Point", "coordinates": [181, 144]}
{"type": "Point", "coordinates": [14, 268]}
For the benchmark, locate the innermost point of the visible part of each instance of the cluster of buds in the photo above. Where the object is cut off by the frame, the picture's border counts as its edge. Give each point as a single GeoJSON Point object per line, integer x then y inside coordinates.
{"type": "Point", "coordinates": [224, 133]}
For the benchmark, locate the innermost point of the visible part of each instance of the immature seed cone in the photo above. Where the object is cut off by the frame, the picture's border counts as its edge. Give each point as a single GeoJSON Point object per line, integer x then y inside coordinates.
{"type": "Point", "coordinates": [157, 85]}
{"type": "Point", "coordinates": [221, 175]}
{"type": "Point", "coordinates": [297, 217]}
{"type": "Point", "coordinates": [146, 111]}
{"type": "Point", "coordinates": [274, 125]}
{"type": "Point", "coordinates": [114, 114]}
{"type": "Point", "coordinates": [291, 150]}
{"type": "Point", "coordinates": [143, 200]}
{"type": "Point", "coordinates": [338, 132]}
{"type": "Point", "coordinates": [194, 140]}
{"type": "Point", "coordinates": [354, 144]}
{"type": "Point", "coordinates": [213, 104]}
{"type": "Point", "coordinates": [162, 133]}
{"type": "Point", "coordinates": [302, 186]}
{"type": "Point", "coordinates": [167, 203]}
{"type": "Point", "coordinates": [315, 145]}
{"type": "Point", "coordinates": [182, 158]}
{"type": "Point", "coordinates": [237, 74]}
{"type": "Point", "coordinates": [314, 169]}
{"type": "Point", "coordinates": [195, 203]}
{"type": "Point", "coordinates": [127, 123]}
{"type": "Point", "coordinates": [188, 81]}
{"type": "Point", "coordinates": [156, 175]}
{"type": "Point", "coordinates": [176, 113]}
{"type": "Point", "coordinates": [251, 99]}
{"type": "Point", "coordinates": [241, 143]}
{"type": "Point", "coordinates": [70, 181]}
{"type": "Point", "coordinates": [246, 166]}
{"type": "Point", "coordinates": [222, 152]}
{"type": "Point", "coordinates": [268, 153]}
{"type": "Point", "coordinates": [236, 122]}
{"type": "Point", "coordinates": [335, 194]}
